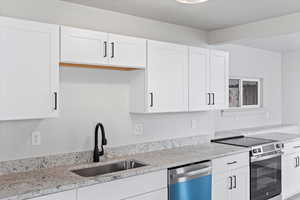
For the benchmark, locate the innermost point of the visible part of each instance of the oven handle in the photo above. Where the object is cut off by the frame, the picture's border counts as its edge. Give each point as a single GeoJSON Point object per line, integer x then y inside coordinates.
{"type": "Point", "coordinates": [254, 159]}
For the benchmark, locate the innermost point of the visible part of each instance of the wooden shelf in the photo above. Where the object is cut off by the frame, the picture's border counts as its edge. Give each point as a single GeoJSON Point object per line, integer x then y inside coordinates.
{"type": "Point", "coordinates": [98, 67]}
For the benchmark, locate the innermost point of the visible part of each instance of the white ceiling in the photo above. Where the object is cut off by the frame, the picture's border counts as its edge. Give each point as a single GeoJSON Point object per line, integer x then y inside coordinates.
{"type": "Point", "coordinates": [283, 43]}
{"type": "Point", "coordinates": [214, 14]}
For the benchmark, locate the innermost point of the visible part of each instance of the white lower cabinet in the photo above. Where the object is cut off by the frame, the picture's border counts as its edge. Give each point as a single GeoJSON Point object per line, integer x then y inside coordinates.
{"type": "Point", "coordinates": [291, 170]}
{"type": "Point", "coordinates": [135, 188]}
{"type": "Point", "coordinates": [68, 195]}
{"type": "Point", "coordinates": [155, 195]}
{"type": "Point", "coordinates": [232, 183]}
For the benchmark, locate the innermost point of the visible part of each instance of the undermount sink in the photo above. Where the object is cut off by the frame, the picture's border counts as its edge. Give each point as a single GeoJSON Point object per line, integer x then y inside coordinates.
{"type": "Point", "coordinates": [109, 168]}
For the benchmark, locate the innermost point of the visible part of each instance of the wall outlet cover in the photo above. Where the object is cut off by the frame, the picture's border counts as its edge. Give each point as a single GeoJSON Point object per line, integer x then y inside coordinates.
{"type": "Point", "coordinates": [138, 129]}
{"type": "Point", "coordinates": [36, 138]}
{"type": "Point", "coordinates": [194, 124]}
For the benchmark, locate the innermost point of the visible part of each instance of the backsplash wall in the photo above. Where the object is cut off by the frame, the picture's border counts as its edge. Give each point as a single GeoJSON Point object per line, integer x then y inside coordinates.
{"type": "Point", "coordinates": [89, 96]}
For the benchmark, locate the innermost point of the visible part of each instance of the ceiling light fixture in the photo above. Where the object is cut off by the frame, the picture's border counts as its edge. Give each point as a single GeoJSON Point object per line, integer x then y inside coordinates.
{"type": "Point", "coordinates": [191, 1]}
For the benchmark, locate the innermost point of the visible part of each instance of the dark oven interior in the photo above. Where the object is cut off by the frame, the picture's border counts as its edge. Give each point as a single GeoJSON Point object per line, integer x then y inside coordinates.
{"type": "Point", "coordinates": [265, 178]}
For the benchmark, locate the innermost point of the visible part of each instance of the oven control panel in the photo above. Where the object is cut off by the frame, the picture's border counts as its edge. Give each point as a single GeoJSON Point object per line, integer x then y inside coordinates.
{"type": "Point", "coordinates": [266, 149]}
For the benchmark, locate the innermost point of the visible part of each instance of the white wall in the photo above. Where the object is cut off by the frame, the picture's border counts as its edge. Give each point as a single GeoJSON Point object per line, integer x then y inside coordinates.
{"type": "Point", "coordinates": [291, 85]}
{"type": "Point", "coordinates": [90, 95]}
{"type": "Point", "coordinates": [255, 63]}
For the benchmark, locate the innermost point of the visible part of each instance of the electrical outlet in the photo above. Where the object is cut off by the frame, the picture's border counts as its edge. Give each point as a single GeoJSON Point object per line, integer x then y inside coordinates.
{"type": "Point", "coordinates": [36, 138]}
{"type": "Point", "coordinates": [194, 124]}
{"type": "Point", "coordinates": [138, 129]}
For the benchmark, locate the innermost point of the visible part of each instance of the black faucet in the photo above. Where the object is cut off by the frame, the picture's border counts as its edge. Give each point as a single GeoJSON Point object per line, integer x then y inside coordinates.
{"type": "Point", "coordinates": [98, 153]}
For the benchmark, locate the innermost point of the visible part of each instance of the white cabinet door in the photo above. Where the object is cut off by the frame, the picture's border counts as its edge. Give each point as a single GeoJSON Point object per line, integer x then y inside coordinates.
{"type": "Point", "coordinates": [29, 69]}
{"type": "Point", "coordinates": [220, 186]}
{"type": "Point", "coordinates": [81, 46]}
{"type": "Point", "coordinates": [241, 184]}
{"type": "Point", "coordinates": [219, 70]}
{"type": "Point", "coordinates": [127, 187]}
{"type": "Point", "coordinates": [156, 195]}
{"type": "Point", "coordinates": [290, 175]}
{"type": "Point", "coordinates": [69, 195]}
{"type": "Point", "coordinates": [198, 79]}
{"type": "Point", "coordinates": [167, 77]}
{"type": "Point", "coordinates": [127, 51]}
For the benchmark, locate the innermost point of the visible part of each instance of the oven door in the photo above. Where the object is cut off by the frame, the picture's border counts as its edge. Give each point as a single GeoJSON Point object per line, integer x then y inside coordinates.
{"type": "Point", "coordinates": [265, 173]}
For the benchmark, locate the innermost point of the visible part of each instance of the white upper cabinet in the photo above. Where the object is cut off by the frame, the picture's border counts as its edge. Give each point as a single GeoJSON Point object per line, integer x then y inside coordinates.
{"type": "Point", "coordinates": [199, 79]}
{"type": "Point", "coordinates": [208, 79]}
{"type": "Point", "coordinates": [167, 73]}
{"type": "Point", "coordinates": [127, 51]}
{"type": "Point", "coordinates": [79, 46]}
{"type": "Point", "coordinates": [219, 78]}
{"type": "Point", "coordinates": [29, 70]}
{"type": "Point", "coordinates": [83, 46]}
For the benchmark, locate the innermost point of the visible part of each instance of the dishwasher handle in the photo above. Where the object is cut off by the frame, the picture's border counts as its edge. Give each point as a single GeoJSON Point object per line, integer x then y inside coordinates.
{"type": "Point", "coordinates": [198, 172]}
{"type": "Point", "coordinates": [188, 175]}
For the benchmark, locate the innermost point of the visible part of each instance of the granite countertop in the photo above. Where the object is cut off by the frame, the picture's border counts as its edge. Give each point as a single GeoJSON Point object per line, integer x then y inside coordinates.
{"type": "Point", "coordinates": [282, 137]}
{"type": "Point", "coordinates": [26, 185]}
{"type": "Point", "coordinates": [251, 131]}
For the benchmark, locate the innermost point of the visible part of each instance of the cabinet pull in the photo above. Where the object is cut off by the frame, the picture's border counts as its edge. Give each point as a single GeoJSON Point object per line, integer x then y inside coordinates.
{"type": "Point", "coordinates": [296, 147]}
{"type": "Point", "coordinates": [55, 100]}
{"type": "Point", "coordinates": [230, 183]}
{"type": "Point", "coordinates": [234, 178]}
{"type": "Point", "coordinates": [213, 94]}
{"type": "Point", "coordinates": [209, 98]}
{"type": "Point", "coordinates": [231, 163]}
{"type": "Point", "coordinates": [298, 161]}
{"type": "Point", "coordinates": [105, 49]}
{"type": "Point", "coordinates": [151, 99]}
{"type": "Point", "coordinates": [112, 50]}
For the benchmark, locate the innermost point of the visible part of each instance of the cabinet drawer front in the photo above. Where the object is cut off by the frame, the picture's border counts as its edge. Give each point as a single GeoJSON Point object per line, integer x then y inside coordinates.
{"type": "Point", "coordinates": [156, 195]}
{"type": "Point", "coordinates": [292, 147]}
{"type": "Point", "coordinates": [124, 188]}
{"type": "Point", "coordinates": [230, 162]}
{"type": "Point", "coordinates": [81, 46]}
{"type": "Point", "coordinates": [68, 195]}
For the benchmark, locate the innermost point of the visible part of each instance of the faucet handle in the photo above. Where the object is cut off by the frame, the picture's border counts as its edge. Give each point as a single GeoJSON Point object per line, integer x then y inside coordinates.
{"type": "Point", "coordinates": [104, 141]}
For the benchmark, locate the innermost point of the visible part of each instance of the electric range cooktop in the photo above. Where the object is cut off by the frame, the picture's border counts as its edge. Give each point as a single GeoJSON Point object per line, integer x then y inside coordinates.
{"type": "Point", "coordinates": [243, 141]}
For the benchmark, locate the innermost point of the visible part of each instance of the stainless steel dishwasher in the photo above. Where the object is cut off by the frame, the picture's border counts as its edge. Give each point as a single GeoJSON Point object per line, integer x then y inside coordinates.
{"type": "Point", "coordinates": [190, 182]}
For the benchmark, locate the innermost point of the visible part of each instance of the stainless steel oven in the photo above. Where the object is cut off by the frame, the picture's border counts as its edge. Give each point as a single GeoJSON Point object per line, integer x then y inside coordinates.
{"type": "Point", "coordinates": [265, 165]}
{"type": "Point", "coordinates": [265, 172]}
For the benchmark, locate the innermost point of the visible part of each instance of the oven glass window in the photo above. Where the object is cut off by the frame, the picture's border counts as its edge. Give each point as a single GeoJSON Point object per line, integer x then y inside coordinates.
{"type": "Point", "coordinates": [265, 178]}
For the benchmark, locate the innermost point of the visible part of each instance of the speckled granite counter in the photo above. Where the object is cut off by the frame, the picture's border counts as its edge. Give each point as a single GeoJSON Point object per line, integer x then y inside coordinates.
{"type": "Point", "coordinates": [256, 130]}
{"type": "Point", "coordinates": [282, 137]}
{"type": "Point", "coordinates": [26, 185]}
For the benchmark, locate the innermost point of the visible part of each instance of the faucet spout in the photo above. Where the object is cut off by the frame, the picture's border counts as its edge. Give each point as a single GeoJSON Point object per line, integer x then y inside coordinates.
{"type": "Point", "coordinates": [98, 153]}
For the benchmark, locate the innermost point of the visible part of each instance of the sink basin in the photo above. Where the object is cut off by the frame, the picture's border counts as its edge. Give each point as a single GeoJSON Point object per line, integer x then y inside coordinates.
{"type": "Point", "coordinates": [109, 168]}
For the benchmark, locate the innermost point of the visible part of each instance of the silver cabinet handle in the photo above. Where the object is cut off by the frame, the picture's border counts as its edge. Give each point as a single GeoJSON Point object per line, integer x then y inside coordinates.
{"type": "Point", "coordinates": [298, 161]}
{"type": "Point", "coordinates": [296, 147]}
{"type": "Point", "coordinates": [105, 49]}
{"type": "Point", "coordinates": [213, 94]}
{"type": "Point", "coordinates": [234, 178]}
{"type": "Point", "coordinates": [209, 98]}
{"type": "Point", "coordinates": [151, 99]}
{"type": "Point", "coordinates": [231, 163]}
{"type": "Point", "coordinates": [112, 50]}
{"type": "Point", "coordinates": [230, 183]}
{"type": "Point", "coordinates": [55, 100]}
